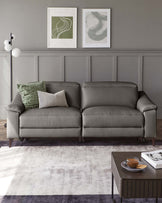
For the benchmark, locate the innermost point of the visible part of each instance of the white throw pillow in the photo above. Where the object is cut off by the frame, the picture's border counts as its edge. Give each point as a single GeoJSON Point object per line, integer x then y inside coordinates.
{"type": "Point", "coordinates": [48, 99]}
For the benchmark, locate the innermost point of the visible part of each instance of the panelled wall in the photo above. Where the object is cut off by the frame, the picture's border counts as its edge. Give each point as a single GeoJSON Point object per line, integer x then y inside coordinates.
{"type": "Point", "coordinates": [142, 67]}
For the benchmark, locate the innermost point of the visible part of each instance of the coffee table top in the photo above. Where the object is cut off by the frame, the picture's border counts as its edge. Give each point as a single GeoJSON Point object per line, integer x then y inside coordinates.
{"type": "Point", "coordinates": [149, 173]}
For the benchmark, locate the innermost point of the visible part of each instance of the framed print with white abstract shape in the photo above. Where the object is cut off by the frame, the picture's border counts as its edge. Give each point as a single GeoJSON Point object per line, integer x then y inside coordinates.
{"type": "Point", "coordinates": [62, 27]}
{"type": "Point", "coordinates": [96, 27]}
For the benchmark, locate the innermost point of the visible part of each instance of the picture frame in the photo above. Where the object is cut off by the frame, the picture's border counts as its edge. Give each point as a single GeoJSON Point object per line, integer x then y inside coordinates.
{"type": "Point", "coordinates": [61, 27]}
{"type": "Point", "coordinates": [96, 28]}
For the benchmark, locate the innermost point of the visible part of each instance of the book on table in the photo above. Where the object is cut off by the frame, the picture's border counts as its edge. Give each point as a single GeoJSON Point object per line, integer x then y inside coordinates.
{"type": "Point", "coordinates": [154, 158]}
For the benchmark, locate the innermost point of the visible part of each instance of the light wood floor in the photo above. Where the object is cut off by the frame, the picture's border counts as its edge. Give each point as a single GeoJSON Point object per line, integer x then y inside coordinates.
{"type": "Point", "coordinates": [3, 130]}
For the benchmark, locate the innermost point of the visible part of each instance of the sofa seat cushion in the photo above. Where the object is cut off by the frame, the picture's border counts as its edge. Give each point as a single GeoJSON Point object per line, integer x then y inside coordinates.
{"type": "Point", "coordinates": [112, 116]}
{"type": "Point", "coordinates": [56, 117]}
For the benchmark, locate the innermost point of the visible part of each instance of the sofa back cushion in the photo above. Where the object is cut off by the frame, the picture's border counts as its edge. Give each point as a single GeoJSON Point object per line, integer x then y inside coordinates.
{"type": "Point", "coordinates": [109, 93]}
{"type": "Point", "coordinates": [72, 91]}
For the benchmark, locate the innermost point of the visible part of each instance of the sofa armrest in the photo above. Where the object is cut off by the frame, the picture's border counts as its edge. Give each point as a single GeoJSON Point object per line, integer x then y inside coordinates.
{"type": "Point", "coordinates": [16, 105]}
{"type": "Point", "coordinates": [13, 112]}
{"type": "Point", "coordinates": [149, 111]}
{"type": "Point", "coordinates": [150, 124]}
{"type": "Point", "coordinates": [144, 103]}
{"type": "Point", "coordinates": [12, 124]}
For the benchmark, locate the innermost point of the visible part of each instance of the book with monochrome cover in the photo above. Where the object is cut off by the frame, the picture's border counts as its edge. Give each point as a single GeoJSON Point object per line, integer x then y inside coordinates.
{"type": "Point", "coordinates": [154, 158]}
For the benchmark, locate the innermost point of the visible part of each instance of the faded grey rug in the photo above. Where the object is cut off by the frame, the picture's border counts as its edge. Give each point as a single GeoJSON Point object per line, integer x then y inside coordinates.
{"type": "Point", "coordinates": [58, 170]}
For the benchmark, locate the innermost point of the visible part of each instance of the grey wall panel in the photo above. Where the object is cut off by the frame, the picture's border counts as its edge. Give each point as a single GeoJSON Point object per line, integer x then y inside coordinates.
{"type": "Point", "coordinates": [50, 68]}
{"type": "Point", "coordinates": [4, 84]}
{"type": "Point", "coordinates": [102, 68]}
{"type": "Point", "coordinates": [4, 79]}
{"type": "Point", "coordinates": [23, 71]}
{"type": "Point", "coordinates": [76, 68]}
{"type": "Point", "coordinates": [128, 68]}
{"type": "Point", "coordinates": [141, 67]}
{"type": "Point", "coordinates": [152, 79]}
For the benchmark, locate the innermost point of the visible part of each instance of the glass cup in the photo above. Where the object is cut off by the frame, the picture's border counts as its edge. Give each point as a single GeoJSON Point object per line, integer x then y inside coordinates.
{"type": "Point", "coordinates": [132, 162]}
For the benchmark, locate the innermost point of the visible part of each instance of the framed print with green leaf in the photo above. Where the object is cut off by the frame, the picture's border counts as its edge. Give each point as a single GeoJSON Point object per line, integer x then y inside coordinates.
{"type": "Point", "coordinates": [62, 27]}
{"type": "Point", "coordinates": [96, 27]}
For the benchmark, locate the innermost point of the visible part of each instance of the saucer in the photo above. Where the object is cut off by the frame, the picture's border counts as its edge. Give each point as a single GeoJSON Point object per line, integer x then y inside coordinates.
{"type": "Point", "coordinates": [126, 167]}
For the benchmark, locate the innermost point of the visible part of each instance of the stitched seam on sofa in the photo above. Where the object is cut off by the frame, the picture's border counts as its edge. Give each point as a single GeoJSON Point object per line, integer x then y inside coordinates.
{"type": "Point", "coordinates": [48, 127]}
{"type": "Point", "coordinates": [49, 117]}
{"type": "Point", "coordinates": [109, 86]}
{"type": "Point", "coordinates": [56, 85]}
{"type": "Point", "coordinates": [114, 127]}
{"type": "Point", "coordinates": [113, 83]}
{"type": "Point", "coordinates": [108, 116]}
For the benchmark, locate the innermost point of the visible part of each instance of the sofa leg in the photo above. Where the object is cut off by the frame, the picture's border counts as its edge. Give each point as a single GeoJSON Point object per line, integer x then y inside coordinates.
{"type": "Point", "coordinates": [138, 140]}
{"type": "Point", "coordinates": [10, 142]}
{"type": "Point", "coordinates": [21, 139]}
{"type": "Point", "coordinates": [153, 141]}
{"type": "Point", "coordinates": [80, 139]}
{"type": "Point", "coordinates": [144, 140]}
{"type": "Point", "coordinates": [83, 139]}
{"type": "Point", "coordinates": [141, 140]}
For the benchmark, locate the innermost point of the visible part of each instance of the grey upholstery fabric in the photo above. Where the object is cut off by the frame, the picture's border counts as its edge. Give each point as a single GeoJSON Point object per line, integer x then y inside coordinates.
{"type": "Point", "coordinates": [13, 111]}
{"type": "Point", "coordinates": [150, 123]}
{"type": "Point", "coordinates": [16, 105]}
{"type": "Point", "coordinates": [149, 110]}
{"type": "Point", "coordinates": [112, 116]}
{"type": "Point", "coordinates": [144, 103]}
{"type": "Point", "coordinates": [113, 132]}
{"type": "Point", "coordinates": [61, 132]}
{"type": "Point", "coordinates": [12, 124]}
{"type": "Point", "coordinates": [109, 93]}
{"type": "Point", "coordinates": [72, 91]}
{"type": "Point", "coordinates": [57, 117]}
{"type": "Point", "coordinates": [109, 110]}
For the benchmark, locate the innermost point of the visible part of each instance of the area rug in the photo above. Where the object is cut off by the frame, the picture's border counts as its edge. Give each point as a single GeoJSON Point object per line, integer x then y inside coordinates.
{"type": "Point", "coordinates": [72, 199]}
{"type": "Point", "coordinates": [58, 170]}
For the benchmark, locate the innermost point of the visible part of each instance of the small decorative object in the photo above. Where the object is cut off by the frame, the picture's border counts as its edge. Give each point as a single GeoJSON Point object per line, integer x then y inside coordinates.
{"type": "Point", "coordinates": [61, 27]}
{"type": "Point", "coordinates": [96, 27]}
{"type": "Point", "coordinates": [133, 165]}
{"type": "Point", "coordinates": [48, 100]}
{"type": "Point", "coordinates": [29, 93]}
{"type": "Point", "coordinates": [16, 52]}
{"type": "Point", "coordinates": [154, 158]}
{"type": "Point", "coordinates": [8, 46]}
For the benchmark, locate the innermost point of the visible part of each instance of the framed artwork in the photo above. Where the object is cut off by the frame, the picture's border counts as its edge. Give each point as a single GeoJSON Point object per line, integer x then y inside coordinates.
{"type": "Point", "coordinates": [61, 27]}
{"type": "Point", "coordinates": [96, 27]}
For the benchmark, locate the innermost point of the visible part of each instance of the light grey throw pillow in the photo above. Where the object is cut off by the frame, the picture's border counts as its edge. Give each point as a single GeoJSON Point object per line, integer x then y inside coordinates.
{"type": "Point", "coordinates": [49, 100]}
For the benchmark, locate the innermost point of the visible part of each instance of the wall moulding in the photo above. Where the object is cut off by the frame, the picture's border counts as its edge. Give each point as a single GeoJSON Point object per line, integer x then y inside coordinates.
{"type": "Point", "coordinates": [140, 66]}
{"type": "Point", "coordinates": [89, 50]}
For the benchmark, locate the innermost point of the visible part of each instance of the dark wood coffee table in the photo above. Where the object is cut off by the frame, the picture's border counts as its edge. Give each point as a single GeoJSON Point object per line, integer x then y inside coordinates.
{"type": "Point", "coordinates": [145, 184]}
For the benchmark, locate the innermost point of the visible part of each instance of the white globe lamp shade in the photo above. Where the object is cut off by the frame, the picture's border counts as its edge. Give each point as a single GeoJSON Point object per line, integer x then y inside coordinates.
{"type": "Point", "coordinates": [8, 47]}
{"type": "Point", "coordinates": [13, 37]}
{"type": "Point", "coordinates": [16, 52]}
{"type": "Point", "coordinates": [6, 42]}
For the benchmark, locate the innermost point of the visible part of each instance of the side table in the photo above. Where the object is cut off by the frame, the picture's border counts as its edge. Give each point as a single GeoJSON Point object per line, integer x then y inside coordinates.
{"type": "Point", "coordinates": [145, 184]}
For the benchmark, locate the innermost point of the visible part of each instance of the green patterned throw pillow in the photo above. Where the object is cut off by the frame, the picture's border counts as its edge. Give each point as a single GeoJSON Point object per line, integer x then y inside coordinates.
{"type": "Point", "coordinates": [29, 93]}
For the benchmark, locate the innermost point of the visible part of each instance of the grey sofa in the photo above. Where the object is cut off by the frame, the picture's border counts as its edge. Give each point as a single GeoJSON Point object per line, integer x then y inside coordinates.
{"type": "Point", "coordinates": [117, 109]}
{"type": "Point", "coordinates": [47, 122]}
{"type": "Point", "coordinates": [109, 109]}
